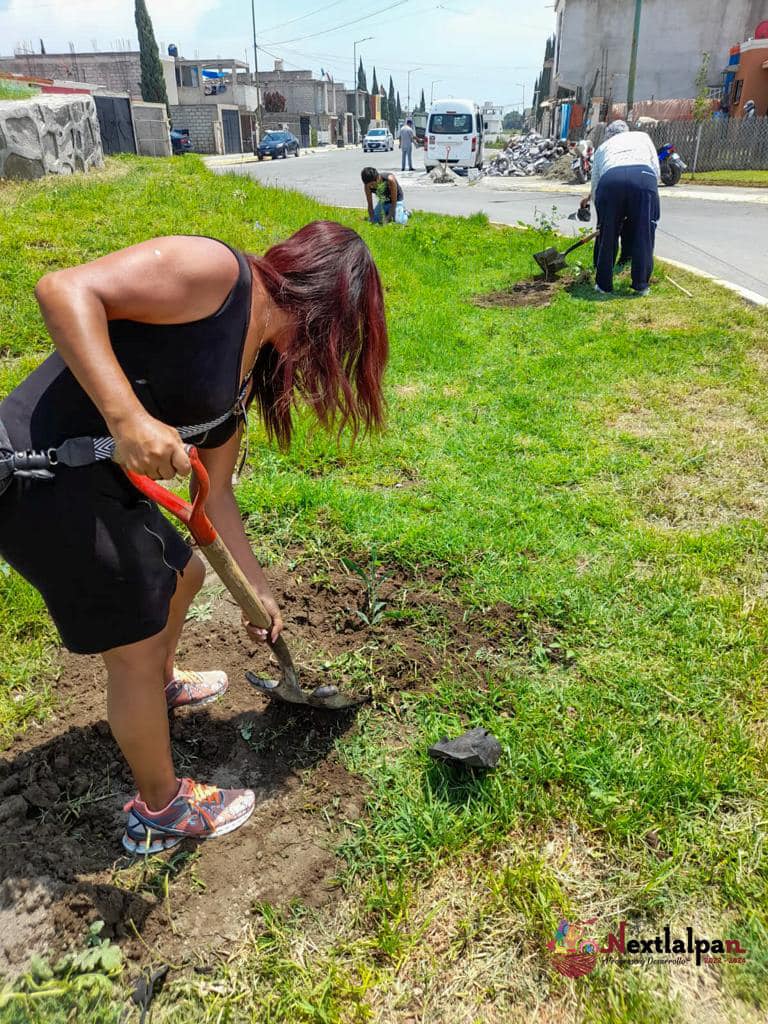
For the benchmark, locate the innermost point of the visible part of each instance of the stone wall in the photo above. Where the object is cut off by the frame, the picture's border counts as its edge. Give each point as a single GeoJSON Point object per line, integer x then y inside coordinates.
{"type": "Point", "coordinates": [49, 135]}
{"type": "Point", "coordinates": [150, 122]}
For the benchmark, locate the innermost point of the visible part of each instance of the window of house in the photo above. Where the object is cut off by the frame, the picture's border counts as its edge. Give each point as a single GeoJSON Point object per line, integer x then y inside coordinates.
{"type": "Point", "coordinates": [190, 77]}
{"type": "Point", "coordinates": [737, 88]}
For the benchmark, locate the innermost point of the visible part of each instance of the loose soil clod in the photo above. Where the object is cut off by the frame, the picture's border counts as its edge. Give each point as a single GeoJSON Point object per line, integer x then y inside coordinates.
{"type": "Point", "coordinates": [524, 293]}
{"type": "Point", "coordinates": [62, 784]}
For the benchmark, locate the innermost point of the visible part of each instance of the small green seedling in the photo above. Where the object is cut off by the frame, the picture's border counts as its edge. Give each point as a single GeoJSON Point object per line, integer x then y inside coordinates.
{"type": "Point", "coordinates": [374, 607]}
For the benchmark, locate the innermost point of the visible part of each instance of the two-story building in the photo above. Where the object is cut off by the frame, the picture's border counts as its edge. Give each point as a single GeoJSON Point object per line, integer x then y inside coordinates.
{"type": "Point", "coordinates": [594, 37]}
{"type": "Point", "coordinates": [314, 109]}
{"type": "Point", "coordinates": [217, 102]}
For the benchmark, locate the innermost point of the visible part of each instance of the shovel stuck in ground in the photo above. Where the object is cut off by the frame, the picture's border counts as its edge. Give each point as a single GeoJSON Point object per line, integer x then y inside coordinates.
{"type": "Point", "coordinates": [287, 688]}
{"type": "Point", "coordinates": [552, 260]}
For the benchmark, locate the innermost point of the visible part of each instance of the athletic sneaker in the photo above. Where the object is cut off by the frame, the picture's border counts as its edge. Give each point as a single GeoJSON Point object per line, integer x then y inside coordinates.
{"type": "Point", "coordinates": [642, 292]}
{"type": "Point", "coordinates": [602, 291]}
{"type": "Point", "coordinates": [193, 689]}
{"type": "Point", "coordinates": [196, 812]}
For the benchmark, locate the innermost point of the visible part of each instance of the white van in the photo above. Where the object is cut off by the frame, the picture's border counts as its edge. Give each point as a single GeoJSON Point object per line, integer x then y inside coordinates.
{"type": "Point", "coordinates": [454, 134]}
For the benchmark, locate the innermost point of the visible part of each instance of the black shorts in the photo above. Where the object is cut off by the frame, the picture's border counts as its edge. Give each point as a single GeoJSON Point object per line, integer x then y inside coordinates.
{"type": "Point", "coordinates": [104, 558]}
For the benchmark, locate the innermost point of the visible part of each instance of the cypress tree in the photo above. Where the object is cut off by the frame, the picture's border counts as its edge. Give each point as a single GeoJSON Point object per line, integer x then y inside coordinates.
{"type": "Point", "coordinates": [152, 81]}
{"type": "Point", "coordinates": [375, 85]}
{"type": "Point", "coordinates": [399, 108]}
{"type": "Point", "coordinates": [423, 104]}
{"type": "Point", "coordinates": [392, 107]}
{"type": "Point", "coordinates": [362, 84]}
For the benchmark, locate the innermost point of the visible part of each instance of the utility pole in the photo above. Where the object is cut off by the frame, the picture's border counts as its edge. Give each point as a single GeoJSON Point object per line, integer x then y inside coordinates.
{"type": "Point", "coordinates": [356, 126]}
{"type": "Point", "coordinates": [408, 100]}
{"type": "Point", "coordinates": [633, 57]}
{"type": "Point", "coordinates": [256, 67]}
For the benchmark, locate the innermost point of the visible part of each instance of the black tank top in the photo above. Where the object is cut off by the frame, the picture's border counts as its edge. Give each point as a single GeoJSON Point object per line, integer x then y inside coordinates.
{"type": "Point", "coordinates": [183, 374]}
{"type": "Point", "coordinates": [386, 178]}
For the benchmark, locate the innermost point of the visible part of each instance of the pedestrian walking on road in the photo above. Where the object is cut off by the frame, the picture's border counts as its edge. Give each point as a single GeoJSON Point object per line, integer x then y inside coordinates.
{"type": "Point", "coordinates": [625, 186]}
{"type": "Point", "coordinates": [172, 332]}
{"type": "Point", "coordinates": [390, 205]}
{"type": "Point", "coordinates": [406, 137]}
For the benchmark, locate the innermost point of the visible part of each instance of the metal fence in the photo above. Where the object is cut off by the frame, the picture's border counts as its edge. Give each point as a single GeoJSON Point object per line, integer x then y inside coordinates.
{"type": "Point", "coordinates": [733, 144]}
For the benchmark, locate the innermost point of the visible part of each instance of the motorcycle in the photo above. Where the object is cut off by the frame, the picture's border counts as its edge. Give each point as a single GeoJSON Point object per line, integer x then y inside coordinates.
{"type": "Point", "coordinates": [672, 165]}
{"type": "Point", "coordinates": [581, 165]}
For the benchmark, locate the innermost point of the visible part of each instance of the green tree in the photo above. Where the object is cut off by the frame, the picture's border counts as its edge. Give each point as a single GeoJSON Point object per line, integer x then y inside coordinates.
{"type": "Point", "coordinates": [374, 84]}
{"type": "Point", "coordinates": [152, 81]}
{"type": "Point", "coordinates": [422, 103]}
{"type": "Point", "coordinates": [513, 121]}
{"type": "Point", "coordinates": [399, 108]}
{"type": "Point", "coordinates": [392, 115]}
{"type": "Point", "coordinates": [702, 105]}
{"type": "Point", "coordinates": [362, 83]}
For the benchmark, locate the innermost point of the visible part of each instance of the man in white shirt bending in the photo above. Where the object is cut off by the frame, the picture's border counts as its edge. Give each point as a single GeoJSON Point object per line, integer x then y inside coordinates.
{"type": "Point", "coordinates": [625, 187]}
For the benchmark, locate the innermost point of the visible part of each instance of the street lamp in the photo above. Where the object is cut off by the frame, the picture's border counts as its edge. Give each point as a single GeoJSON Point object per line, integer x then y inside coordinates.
{"type": "Point", "coordinates": [256, 69]}
{"type": "Point", "coordinates": [437, 81]}
{"type": "Point", "coordinates": [356, 128]}
{"type": "Point", "coordinates": [408, 100]}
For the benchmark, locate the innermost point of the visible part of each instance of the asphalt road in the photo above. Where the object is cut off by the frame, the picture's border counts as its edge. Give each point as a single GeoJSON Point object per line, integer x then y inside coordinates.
{"type": "Point", "coordinates": [726, 235]}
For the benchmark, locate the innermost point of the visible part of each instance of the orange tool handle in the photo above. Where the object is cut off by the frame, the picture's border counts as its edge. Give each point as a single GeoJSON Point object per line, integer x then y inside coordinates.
{"type": "Point", "coordinates": [200, 526]}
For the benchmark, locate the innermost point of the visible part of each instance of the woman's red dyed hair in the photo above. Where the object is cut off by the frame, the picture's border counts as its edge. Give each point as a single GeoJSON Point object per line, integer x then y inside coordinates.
{"type": "Point", "coordinates": [325, 277]}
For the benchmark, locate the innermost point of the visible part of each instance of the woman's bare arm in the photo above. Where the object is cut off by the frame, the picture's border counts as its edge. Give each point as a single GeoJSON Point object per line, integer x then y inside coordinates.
{"type": "Point", "coordinates": [162, 281]}
{"type": "Point", "coordinates": [225, 515]}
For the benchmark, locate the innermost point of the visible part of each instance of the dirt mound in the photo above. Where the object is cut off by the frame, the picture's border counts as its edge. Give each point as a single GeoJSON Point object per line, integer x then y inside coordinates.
{"type": "Point", "coordinates": [561, 170]}
{"type": "Point", "coordinates": [62, 784]}
{"type": "Point", "coordinates": [524, 293]}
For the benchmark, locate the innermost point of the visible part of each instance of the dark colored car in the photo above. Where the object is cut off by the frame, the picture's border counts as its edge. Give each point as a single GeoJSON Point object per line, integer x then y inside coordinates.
{"type": "Point", "coordinates": [180, 141]}
{"type": "Point", "coordinates": [277, 144]}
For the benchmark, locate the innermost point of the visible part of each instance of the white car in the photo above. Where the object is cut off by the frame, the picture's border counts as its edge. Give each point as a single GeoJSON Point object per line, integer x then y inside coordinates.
{"type": "Point", "coordinates": [378, 139]}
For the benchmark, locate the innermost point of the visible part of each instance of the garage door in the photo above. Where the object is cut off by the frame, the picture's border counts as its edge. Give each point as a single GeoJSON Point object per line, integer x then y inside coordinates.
{"type": "Point", "coordinates": [116, 125]}
{"type": "Point", "coordinates": [230, 119]}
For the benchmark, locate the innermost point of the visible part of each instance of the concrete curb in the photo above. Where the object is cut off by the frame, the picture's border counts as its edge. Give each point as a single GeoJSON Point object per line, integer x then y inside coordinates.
{"type": "Point", "coordinates": [237, 159]}
{"type": "Point", "coordinates": [753, 298]}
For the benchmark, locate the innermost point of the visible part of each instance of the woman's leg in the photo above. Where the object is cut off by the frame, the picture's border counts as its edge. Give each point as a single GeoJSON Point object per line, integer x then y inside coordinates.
{"type": "Point", "coordinates": [136, 704]}
{"type": "Point", "coordinates": [186, 591]}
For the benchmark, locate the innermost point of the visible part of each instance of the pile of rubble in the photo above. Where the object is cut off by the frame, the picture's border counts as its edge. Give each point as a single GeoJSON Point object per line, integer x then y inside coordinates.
{"type": "Point", "coordinates": [527, 155]}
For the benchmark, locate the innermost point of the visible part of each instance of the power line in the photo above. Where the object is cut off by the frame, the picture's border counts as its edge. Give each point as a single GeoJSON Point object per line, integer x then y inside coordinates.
{"type": "Point", "coordinates": [336, 28]}
{"type": "Point", "coordinates": [302, 17]}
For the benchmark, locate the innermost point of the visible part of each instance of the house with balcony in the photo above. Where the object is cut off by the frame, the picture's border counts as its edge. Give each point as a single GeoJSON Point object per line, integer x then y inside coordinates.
{"type": "Point", "coordinates": [216, 101]}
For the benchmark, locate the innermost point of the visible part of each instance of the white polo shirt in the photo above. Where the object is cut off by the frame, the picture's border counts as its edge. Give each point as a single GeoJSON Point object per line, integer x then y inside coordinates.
{"type": "Point", "coordinates": [626, 149]}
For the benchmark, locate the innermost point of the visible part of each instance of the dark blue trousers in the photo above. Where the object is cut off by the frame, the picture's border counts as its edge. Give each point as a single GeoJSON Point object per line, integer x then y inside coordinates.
{"type": "Point", "coordinates": [627, 202]}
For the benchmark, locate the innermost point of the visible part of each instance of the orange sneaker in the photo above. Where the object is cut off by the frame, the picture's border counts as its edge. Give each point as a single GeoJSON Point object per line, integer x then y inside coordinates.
{"type": "Point", "coordinates": [194, 689]}
{"type": "Point", "coordinates": [196, 812]}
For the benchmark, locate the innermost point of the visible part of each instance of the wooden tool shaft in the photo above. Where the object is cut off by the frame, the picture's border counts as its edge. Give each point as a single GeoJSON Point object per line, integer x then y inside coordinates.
{"type": "Point", "coordinates": [236, 582]}
{"type": "Point", "coordinates": [241, 589]}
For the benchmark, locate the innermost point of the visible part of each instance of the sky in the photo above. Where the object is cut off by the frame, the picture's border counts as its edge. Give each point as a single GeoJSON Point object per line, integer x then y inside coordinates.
{"type": "Point", "coordinates": [480, 49]}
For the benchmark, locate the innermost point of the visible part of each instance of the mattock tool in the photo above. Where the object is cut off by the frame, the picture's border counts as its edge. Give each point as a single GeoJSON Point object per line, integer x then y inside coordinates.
{"type": "Point", "coordinates": [287, 688]}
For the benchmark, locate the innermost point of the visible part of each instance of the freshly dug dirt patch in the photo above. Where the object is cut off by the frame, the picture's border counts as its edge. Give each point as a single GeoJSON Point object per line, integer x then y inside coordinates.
{"type": "Point", "coordinates": [524, 293]}
{"type": "Point", "coordinates": [63, 783]}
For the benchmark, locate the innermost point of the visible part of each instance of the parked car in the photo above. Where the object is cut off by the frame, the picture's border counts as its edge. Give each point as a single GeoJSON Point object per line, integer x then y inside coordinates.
{"type": "Point", "coordinates": [181, 142]}
{"type": "Point", "coordinates": [454, 135]}
{"type": "Point", "coordinates": [378, 139]}
{"type": "Point", "coordinates": [278, 144]}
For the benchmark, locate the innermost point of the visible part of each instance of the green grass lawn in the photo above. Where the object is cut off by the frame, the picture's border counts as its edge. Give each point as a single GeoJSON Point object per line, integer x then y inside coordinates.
{"type": "Point", "coordinates": [751, 179]}
{"type": "Point", "coordinates": [601, 466]}
{"type": "Point", "coordinates": [13, 91]}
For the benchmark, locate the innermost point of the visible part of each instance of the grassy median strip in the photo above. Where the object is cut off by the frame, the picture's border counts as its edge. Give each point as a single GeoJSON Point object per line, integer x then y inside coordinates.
{"type": "Point", "coordinates": [597, 467]}
{"type": "Point", "coordinates": [745, 179]}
